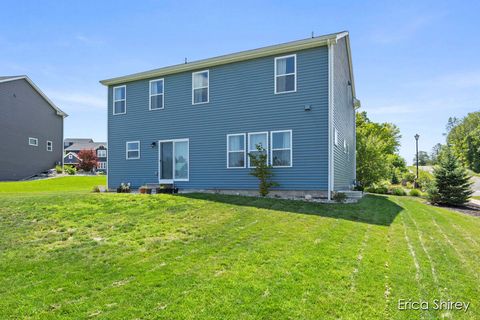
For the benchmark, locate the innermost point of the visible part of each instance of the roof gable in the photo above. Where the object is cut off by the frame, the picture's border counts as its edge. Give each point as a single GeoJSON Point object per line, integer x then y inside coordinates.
{"type": "Point", "coordinates": [37, 89]}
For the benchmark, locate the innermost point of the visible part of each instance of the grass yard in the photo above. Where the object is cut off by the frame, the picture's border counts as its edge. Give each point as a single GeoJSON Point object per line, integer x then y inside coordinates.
{"type": "Point", "coordinates": [120, 256]}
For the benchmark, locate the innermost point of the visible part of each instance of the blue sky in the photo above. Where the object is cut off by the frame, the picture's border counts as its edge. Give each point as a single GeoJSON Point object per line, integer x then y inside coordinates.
{"type": "Point", "coordinates": [416, 63]}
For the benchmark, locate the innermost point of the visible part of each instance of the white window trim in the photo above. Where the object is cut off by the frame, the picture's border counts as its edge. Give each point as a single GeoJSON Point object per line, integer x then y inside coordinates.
{"type": "Point", "coordinates": [267, 148]}
{"type": "Point", "coordinates": [286, 74]}
{"type": "Point", "coordinates": [208, 87]}
{"type": "Point", "coordinates": [102, 165]}
{"type": "Point", "coordinates": [345, 146]}
{"type": "Point", "coordinates": [276, 149]}
{"type": "Point", "coordinates": [113, 99]}
{"type": "Point", "coordinates": [51, 146]}
{"type": "Point", "coordinates": [244, 150]}
{"type": "Point", "coordinates": [103, 151]}
{"type": "Point", "coordinates": [35, 144]}
{"type": "Point", "coordinates": [173, 160]}
{"type": "Point", "coordinates": [126, 150]}
{"type": "Point", "coordinates": [335, 136]}
{"type": "Point", "coordinates": [150, 95]}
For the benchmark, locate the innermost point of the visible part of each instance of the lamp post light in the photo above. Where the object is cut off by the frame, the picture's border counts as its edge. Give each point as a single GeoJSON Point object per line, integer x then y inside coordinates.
{"type": "Point", "coordinates": [416, 145]}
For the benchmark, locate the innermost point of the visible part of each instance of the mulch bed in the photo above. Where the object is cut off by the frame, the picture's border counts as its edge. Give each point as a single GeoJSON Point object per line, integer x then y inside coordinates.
{"type": "Point", "coordinates": [470, 209]}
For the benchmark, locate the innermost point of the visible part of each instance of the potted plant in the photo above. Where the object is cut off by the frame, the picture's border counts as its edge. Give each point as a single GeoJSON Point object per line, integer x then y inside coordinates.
{"type": "Point", "coordinates": [124, 188]}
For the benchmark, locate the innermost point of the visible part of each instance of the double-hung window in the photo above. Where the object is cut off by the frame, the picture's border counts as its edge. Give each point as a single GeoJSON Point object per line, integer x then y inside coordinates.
{"type": "Point", "coordinates": [286, 74]}
{"type": "Point", "coordinates": [281, 151]}
{"type": "Point", "coordinates": [33, 142]}
{"type": "Point", "coordinates": [156, 94]}
{"type": "Point", "coordinates": [200, 87]}
{"type": "Point", "coordinates": [120, 100]}
{"type": "Point", "coordinates": [133, 150]}
{"type": "Point", "coordinates": [49, 146]}
{"type": "Point", "coordinates": [236, 156]}
{"type": "Point", "coordinates": [257, 139]}
{"type": "Point", "coordinates": [101, 153]}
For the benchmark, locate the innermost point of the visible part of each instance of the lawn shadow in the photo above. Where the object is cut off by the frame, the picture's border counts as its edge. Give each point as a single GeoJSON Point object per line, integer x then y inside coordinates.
{"type": "Point", "coordinates": [372, 209]}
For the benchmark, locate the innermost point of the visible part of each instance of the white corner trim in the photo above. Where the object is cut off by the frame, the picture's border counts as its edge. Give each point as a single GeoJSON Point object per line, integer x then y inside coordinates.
{"type": "Point", "coordinates": [331, 103]}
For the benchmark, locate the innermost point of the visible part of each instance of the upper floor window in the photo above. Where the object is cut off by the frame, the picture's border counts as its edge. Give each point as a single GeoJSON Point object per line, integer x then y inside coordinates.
{"type": "Point", "coordinates": [281, 151]}
{"type": "Point", "coordinates": [133, 150]}
{"type": "Point", "coordinates": [156, 94]}
{"type": "Point", "coordinates": [257, 139]}
{"type": "Point", "coordinates": [33, 142]}
{"type": "Point", "coordinates": [49, 146]}
{"type": "Point", "coordinates": [119, 100]}
{"type": "Point", "coordinates": [286, 74]}
{"type": "Point", "coordinates": [236, 150]}
{"type": "Point", "coordinates": [101, 153]}
{"type": "Point", "coordinates": [200, 82]}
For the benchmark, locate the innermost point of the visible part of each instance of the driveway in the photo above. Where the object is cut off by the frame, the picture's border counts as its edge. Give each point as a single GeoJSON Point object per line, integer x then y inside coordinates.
{"type": "Point", "coordinates": [476, 185]}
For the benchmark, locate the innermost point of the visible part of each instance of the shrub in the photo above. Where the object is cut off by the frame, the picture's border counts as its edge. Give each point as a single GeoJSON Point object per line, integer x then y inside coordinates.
{"type": "Point", "coordinates": [70, 170]}
{"type": "Point", "coordinates": [59, 169]}
{"type": "Point", "coordinates": [88, 160]}
{"type": "Point", "coordinates": [415, 193]}
{"type": "Point", "coordinates": [96, 189]}
{"type": "Point", "coordinates": [409, 176]}
{"type": "Point", "coordinates": [124, 188]}
{"type": "Point", "coordinates": [262, 170]}
{"type": "Point", "coordinates": [433, 196]}
{"type": "Point", "coordinates": [339, 197]}
{"type": "Point", "coordinates": [398, 191]}
{"type": "Point", "coordinates": [381, 188]}
{"type": "Point", "coordinates": [424, 179]}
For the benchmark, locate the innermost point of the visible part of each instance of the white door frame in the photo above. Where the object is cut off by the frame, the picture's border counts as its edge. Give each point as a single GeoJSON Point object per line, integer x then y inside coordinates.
{"type": "Point", "coordinates": [173, 160]}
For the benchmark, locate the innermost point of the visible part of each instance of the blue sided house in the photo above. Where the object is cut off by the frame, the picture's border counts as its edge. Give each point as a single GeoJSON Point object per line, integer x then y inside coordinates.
{"type": "Point", "coordinates": [194, 124]}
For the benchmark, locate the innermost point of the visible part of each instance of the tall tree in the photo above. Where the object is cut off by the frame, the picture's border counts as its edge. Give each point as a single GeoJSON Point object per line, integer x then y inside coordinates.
{"type": "Point", "coordinates": [464, 139]}
{"type": "Point", "coordinates": [423, 159]}
{"type": "Point", "coordinates": [435, 154]}
{"type": "Point", "coordinates": [377, 147]}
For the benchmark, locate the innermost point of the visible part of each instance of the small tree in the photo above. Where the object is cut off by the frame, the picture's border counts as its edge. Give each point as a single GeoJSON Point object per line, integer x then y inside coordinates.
{"type": "Point", "coordinates": [262, 170]}
{"type": "Point", "coordinates": [88, 160]}
{"type": "Point", "coordinates": [452, 184]}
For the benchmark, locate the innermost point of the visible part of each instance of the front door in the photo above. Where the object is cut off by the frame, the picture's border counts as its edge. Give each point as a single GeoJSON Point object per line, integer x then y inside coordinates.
{"type": "Point", "coordinates": [166, 162]}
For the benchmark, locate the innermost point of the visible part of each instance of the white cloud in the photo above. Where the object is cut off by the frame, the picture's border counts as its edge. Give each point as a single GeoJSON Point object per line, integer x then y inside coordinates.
{"type": "Point", "coordinates": [88, 40]}
{"type": "Point", "coordinates": [77, 100]}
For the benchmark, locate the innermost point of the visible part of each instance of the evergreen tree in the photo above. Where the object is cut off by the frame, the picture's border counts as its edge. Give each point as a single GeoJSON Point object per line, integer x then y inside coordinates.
{"type": "Point", "coordinates": [452, 184]}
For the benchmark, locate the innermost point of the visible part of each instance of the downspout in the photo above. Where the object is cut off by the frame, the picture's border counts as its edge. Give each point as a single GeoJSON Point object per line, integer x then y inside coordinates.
{"type": "Point", "coordinates": [330, 117]}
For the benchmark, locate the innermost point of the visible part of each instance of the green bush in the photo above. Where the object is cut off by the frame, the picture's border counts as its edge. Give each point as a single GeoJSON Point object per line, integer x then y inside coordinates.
{"type": "Point", "coordinates": [59, 169]}
{"type": "Point", "coordinates": [415, 193]}
{"type": "Point", "coordinates": [380, 188]}
{"type": "Point", "coordinates": [397, 191]}
{"type": "Point", "coordinates": [339, 197]}
{"type": "Point", "coordinates": [70, 170]}
{"type": "Point", "coordinates": [96, 189]}
{"type": "Point", "coordinates": [262, 170]}
{"type": "Point", "coordinates": [409, 176]}
{"type": "Point", "coordinates": [424, 179]}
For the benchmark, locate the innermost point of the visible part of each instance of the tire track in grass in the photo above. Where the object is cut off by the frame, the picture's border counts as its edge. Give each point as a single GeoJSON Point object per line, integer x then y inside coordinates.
{"type": "Point", "coordinates": [359, 258]}
{"type": "Point", "coordinates": [412, 253]}
{"type": "Point", "coordinates": [465, 234]}
{"type": "Point", "coordinates": [459, 254]}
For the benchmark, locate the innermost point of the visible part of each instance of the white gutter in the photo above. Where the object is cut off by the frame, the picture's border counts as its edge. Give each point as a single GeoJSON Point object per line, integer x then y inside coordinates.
{"type": "Point", "coordinates": [230, 58]}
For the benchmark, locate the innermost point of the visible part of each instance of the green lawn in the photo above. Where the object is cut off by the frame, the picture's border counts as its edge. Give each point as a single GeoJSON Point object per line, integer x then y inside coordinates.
{"type": "Point", "coordinates": [74, 183]}
{"type": "Point", "coordinates": [120, 256]}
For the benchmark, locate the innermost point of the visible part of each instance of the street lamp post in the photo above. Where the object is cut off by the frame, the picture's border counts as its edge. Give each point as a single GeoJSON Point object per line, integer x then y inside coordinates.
{"type": "Point", "coordinates": [416, 145]}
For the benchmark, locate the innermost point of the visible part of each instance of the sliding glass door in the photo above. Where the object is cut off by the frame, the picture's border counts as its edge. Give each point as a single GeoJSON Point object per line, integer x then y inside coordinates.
{"type": "Point", "coordinates": [173, 160]}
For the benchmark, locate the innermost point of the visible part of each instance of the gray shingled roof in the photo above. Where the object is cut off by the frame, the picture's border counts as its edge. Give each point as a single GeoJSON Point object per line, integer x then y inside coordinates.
{"type": "Point", "coordinates": [78, 140]}
{"type": "Point", "coordinates": [85, 146]}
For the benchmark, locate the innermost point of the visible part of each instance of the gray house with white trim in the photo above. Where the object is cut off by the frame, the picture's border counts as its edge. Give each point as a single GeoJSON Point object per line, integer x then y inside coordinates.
{"type": "Point", "coordinates": [31, 127]}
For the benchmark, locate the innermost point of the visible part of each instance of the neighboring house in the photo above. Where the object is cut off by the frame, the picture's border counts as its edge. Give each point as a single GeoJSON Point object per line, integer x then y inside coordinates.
{"type": "Point", "coordinates": [193, 124]}
{"type": "Point", "coordinates": [74, 146]}
{"type": "Point", "coordinates": [31, 129]}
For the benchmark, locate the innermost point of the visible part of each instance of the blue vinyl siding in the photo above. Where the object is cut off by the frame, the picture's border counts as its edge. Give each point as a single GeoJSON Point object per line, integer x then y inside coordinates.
{"type": "Point", "coordinates": [343, 119]}
{"type": "Point", "coordinates": [242, 100]}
